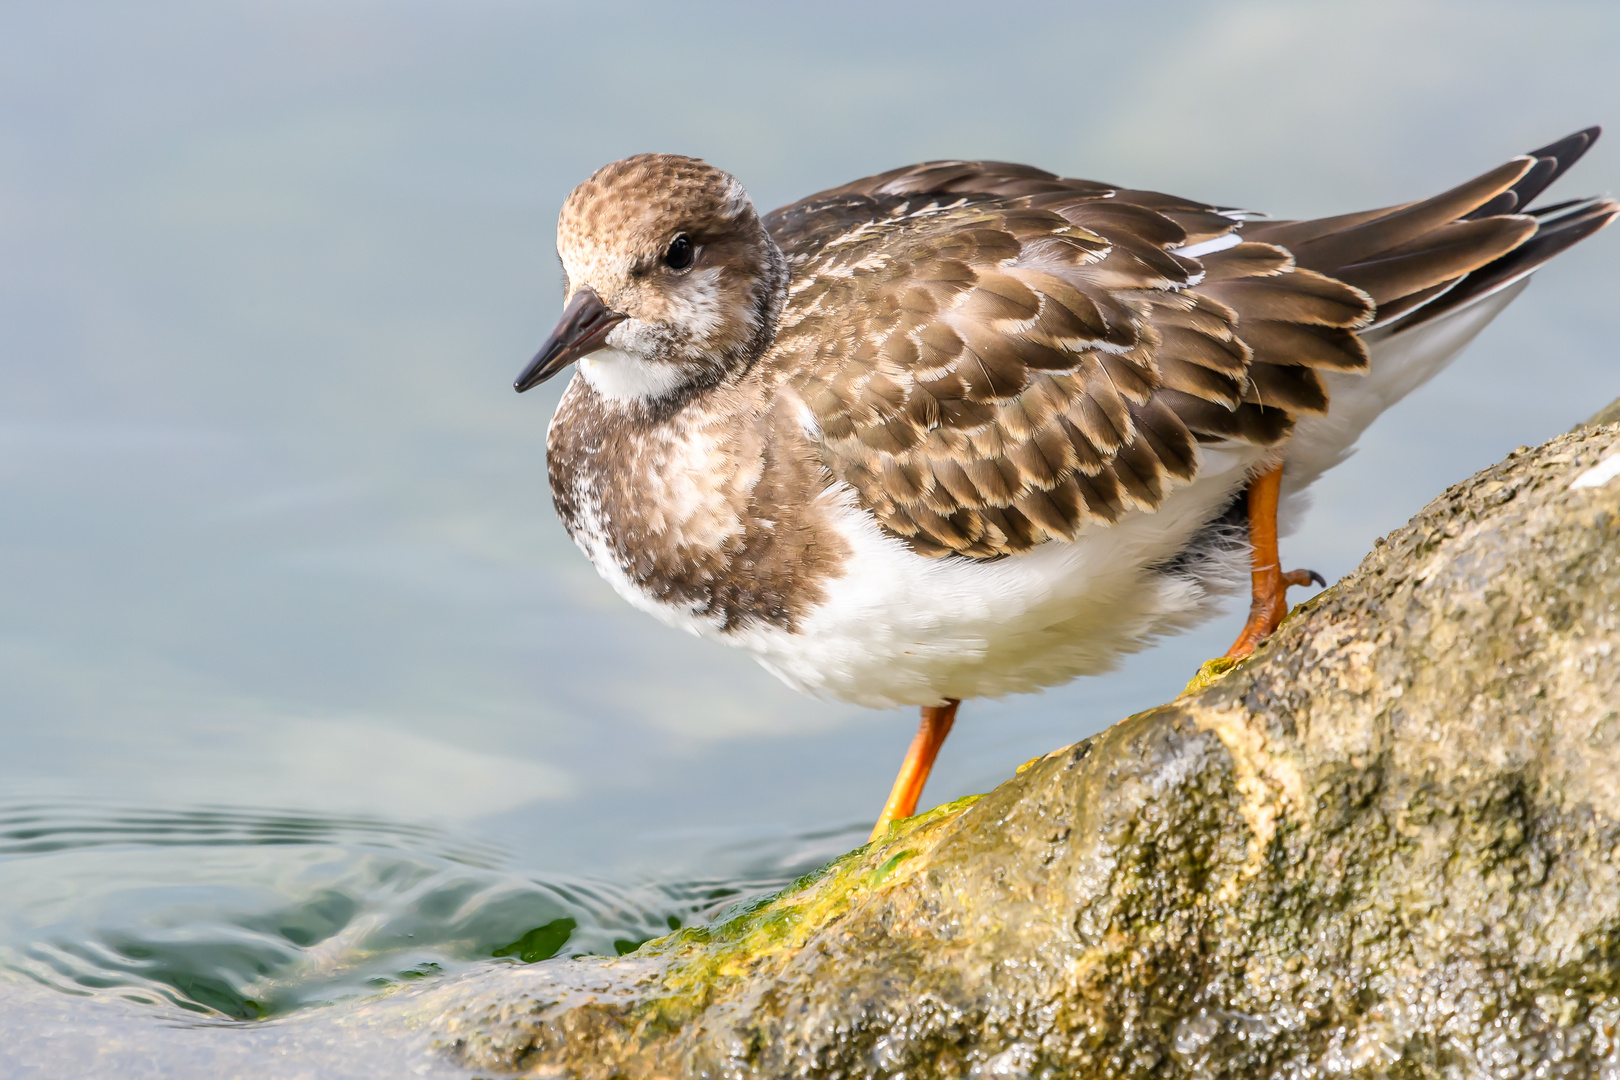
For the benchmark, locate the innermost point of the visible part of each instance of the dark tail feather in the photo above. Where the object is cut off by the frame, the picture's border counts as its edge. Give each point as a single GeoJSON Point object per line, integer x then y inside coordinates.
{"type": "Point", "coordinates": [1552, 161]}
{"type": "Point", "coordinates": [1329, 244]}
{"type": "Point", "coordinates": [1553, 235]}
{"type": "Point", "coordinates": [1424, 259]}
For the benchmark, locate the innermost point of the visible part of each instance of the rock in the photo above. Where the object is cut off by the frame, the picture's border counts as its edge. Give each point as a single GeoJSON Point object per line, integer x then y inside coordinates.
{"type": "Point", "coordinates": [1382, 847]}
{"type": "Point", "coordinates": [1610, 414]}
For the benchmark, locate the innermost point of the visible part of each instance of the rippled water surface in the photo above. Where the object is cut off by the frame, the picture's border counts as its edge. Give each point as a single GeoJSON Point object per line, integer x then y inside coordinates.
{"type": "Point", "coordinates": [305, 698]}
{"type": "Point", "coordinates": [248, 914]}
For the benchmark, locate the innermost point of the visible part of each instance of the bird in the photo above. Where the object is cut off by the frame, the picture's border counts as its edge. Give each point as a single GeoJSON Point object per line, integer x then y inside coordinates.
{"type": "Point", "coordinates": [966, 429]}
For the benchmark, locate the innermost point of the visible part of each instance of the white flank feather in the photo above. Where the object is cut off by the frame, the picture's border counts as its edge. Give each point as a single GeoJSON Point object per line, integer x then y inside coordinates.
{"type": "Point", "coordinates": [1400, 363]}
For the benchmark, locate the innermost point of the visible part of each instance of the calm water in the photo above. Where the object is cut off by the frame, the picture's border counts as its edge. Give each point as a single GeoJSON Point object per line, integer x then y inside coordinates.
{"type": "Point", "coordinates": [303, 692]}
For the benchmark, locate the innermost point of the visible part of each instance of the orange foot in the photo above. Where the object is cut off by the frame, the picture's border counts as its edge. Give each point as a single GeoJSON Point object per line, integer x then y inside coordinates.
{"type": "Point", "coordinates": [1269, 583]}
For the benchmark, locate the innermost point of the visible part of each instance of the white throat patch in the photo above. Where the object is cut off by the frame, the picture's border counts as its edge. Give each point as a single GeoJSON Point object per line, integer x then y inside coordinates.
{"type": "Point", "coordinates": [624, 377]}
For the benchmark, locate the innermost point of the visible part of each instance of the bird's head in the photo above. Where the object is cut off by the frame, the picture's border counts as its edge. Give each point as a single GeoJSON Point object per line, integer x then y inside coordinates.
{"type": "Point", "coordinates": [672, 281]}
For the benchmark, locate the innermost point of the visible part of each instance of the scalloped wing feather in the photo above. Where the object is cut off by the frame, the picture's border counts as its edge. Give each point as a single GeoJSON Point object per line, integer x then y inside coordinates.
{"type": "Point", "coordinates": [990, 369]}
{"type": "Point", "coordinates": [994, 357]}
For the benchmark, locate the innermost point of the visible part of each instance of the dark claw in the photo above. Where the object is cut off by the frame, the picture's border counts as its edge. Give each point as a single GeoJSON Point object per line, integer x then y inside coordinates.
{"type": "Point", "coordinates": [1302, 578]}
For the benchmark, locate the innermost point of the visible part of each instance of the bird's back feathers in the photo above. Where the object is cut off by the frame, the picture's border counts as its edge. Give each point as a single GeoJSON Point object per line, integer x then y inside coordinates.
{"type": "Point", "coordinates": [992, 356]}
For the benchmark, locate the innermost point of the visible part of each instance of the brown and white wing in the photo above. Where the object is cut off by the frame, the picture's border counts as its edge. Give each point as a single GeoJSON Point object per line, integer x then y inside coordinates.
{"type": "Point", "coordinates": [997, 357]}
{"type": "Point", "coordinates": [990, 372]}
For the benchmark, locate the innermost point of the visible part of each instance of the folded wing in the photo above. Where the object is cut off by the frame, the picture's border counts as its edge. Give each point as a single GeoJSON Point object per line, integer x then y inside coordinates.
{"type": "Point", "coordinates": [996, 357]}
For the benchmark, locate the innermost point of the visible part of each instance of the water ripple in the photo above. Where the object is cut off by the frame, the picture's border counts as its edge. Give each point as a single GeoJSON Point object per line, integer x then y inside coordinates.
{"type": "Point", "coordinates": [237, 913]}
{"type": "Point", "coordinates": [38, 828]}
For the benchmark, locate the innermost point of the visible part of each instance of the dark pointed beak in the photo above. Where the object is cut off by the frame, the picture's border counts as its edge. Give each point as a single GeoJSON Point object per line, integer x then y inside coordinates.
{"type": "Point", "coordinates": [582, 330]}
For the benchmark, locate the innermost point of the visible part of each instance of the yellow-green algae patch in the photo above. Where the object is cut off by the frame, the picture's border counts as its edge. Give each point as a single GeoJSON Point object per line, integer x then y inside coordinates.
{"type": "Point", "coordinates": [1209, 672]}
{"type": "Point", "coordinates": [754, 936]}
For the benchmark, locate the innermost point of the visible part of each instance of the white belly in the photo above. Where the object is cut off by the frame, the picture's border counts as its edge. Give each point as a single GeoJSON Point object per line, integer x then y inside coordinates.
{"type": "Point", "coordinates": [901, 629]}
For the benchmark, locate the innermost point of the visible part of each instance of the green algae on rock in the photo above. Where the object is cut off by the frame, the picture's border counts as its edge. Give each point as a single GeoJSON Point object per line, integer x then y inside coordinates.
{"type": "Point", "coordinates": [1381, 847]}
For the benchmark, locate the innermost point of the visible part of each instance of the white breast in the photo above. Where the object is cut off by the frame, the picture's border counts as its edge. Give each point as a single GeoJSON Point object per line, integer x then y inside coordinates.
{"type": "Point", "coordinates": [897, 628]}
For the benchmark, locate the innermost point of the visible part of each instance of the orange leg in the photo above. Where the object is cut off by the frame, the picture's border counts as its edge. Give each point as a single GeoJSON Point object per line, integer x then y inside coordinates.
{"type": "Point", "coordinates": [936, 724]}
{"type": "Point", "coordinates": [1270, 584]}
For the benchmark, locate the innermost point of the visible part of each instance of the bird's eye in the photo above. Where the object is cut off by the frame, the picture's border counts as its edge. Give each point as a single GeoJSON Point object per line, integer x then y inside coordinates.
{"type": "Point", "coordinates": [680, 253]}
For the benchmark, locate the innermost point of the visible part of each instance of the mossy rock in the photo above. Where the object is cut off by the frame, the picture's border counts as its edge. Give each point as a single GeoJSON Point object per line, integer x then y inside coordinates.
{"type": "Point", "coordinates": [1381, 847]}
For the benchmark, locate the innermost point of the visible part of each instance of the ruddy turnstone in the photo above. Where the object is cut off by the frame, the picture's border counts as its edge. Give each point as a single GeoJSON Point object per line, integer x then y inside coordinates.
{"type": "Point", "coordinates": [968, 428]}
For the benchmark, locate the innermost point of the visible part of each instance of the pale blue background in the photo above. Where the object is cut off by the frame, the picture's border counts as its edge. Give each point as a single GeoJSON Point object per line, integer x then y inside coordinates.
{"type": "Point", "coordinates": [274, 529]}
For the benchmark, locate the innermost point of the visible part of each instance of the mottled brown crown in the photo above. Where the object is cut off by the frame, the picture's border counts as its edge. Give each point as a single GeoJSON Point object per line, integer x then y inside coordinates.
{"type": "Point", "coordinates": [636, 206]}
